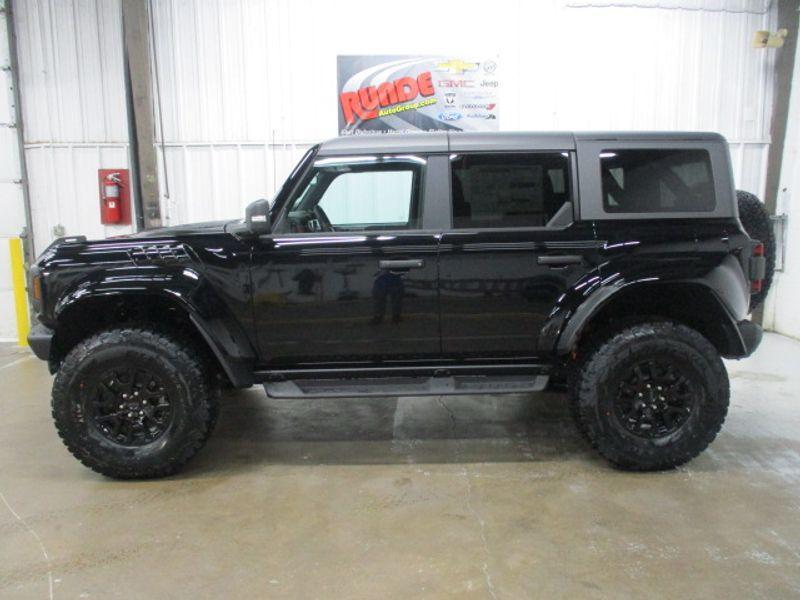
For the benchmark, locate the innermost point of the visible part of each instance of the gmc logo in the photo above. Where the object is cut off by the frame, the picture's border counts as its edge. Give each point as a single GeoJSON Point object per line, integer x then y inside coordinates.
{"type": "Point", "coordinates": [457, 83]}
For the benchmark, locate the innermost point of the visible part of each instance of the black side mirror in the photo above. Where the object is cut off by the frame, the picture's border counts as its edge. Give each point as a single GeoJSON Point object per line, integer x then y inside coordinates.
{"type": "Point", "coordinates": [256, 217]}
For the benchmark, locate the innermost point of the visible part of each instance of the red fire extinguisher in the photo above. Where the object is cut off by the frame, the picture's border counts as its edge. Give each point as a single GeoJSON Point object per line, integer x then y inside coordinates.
{"type": "Point", "coordinates": [111, 198]}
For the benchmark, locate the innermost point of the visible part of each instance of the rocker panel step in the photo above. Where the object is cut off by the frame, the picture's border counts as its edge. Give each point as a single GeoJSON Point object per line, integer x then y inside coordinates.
{"type": "Point", "coordinates": [406, 386]}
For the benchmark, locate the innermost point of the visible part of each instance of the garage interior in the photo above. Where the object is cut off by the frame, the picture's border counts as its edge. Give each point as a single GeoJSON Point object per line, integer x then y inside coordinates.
{"type": "Point", "coordinates": [210, 104]}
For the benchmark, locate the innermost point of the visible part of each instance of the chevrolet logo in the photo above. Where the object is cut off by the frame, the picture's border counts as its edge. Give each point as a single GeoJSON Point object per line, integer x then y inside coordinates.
{"type": "Point", "coordinates": [456, 67]}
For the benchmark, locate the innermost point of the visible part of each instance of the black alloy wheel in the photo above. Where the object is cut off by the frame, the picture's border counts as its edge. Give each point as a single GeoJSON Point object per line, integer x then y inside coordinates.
{"type": "Point", "coordinates": [655, 398]}
{"type": "Point", "coordinates": [649, 396]}
{"type": "Point", "coordinates": [130, 406]}
{"type": "Point", "coordinates": [134, 403]}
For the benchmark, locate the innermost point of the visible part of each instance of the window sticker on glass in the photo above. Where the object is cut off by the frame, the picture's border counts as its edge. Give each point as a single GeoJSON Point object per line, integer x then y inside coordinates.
{"type": "Point", "coordinates": [509, 190]}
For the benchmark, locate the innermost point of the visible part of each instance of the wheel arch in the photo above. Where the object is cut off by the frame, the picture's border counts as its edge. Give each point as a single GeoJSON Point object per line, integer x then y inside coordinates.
{"type": "Point", "coordinates": [86, 312]}
{"type": "Point", "coordinates": [691, 303]}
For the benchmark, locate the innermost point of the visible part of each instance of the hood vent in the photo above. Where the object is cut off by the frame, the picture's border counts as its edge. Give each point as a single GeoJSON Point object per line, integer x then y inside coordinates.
{"type": "Point", "coordinates": [158, 254]}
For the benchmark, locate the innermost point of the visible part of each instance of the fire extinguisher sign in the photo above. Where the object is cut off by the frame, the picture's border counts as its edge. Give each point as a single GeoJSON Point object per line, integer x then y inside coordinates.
{"type": "Point", "coordinates": [115, 196]}
{"type": "Point", "coordinates": [383, 94]}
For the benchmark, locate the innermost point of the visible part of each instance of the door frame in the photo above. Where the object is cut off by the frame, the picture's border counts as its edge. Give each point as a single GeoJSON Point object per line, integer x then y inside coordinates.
{"type": "Point", "coordinates": [434, 209]}
{"type": "Point", "coordinates": [590, 244]}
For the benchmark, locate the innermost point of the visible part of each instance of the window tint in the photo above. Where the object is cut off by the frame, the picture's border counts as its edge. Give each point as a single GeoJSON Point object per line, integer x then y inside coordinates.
{"type": "Point", "coordinates": [358, 194]}
{"type": "Point", "coordinates": [653, 181]}
{"type": "Point", "coordinates": [511, 190]}
{"type": "Point", "coordinates": [365, 197]}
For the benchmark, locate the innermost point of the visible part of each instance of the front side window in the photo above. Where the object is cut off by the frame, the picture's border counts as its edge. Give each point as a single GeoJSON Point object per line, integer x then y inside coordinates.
{"type": "Point", "coordinates": [510, 190]}
{"type": "Point", "coordinates": [657, 181]}
{"type": "Point", "coordinates": [358, 194]}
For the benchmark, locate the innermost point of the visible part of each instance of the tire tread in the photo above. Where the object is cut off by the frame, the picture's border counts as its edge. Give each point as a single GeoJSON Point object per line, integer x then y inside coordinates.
{"type": "Point", "coordinates": [204, 394]}
{"type": "Point", "coordinates": [755, 219]}
{"type": "Point", "coordinates": [598, 360]}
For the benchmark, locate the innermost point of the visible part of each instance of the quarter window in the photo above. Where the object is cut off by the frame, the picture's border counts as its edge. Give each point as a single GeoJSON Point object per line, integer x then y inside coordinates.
{"type": "Point", "coordinates": [510, 190]}
{"type": "Point", "coordinates": [657, 181]}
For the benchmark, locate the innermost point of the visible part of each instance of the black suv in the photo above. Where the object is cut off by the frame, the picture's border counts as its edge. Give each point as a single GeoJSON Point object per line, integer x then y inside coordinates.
{"type": "Point", "coordinates": [613, 265]}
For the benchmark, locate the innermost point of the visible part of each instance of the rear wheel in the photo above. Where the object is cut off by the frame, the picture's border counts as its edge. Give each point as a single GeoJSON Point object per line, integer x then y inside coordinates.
{"type": "Point", "coordinates": [756, 222]}
{"type": "Point", "coordinates": [133, 403]}
{"type": "Point", "coordinates": [652, 396]}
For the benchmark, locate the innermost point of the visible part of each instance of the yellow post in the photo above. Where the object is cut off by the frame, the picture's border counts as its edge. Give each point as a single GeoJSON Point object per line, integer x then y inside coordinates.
{"type": "Point", "coordinates": [20, 297]}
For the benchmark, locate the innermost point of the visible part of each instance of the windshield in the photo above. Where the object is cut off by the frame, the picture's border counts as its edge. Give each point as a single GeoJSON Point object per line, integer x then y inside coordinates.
{"type": "Point", "coordinates": [280, 196]}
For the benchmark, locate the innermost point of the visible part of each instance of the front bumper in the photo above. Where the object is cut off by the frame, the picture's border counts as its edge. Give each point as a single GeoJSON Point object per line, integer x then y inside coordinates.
{"type": "Point", "coordinates": [40, 339]}
{"type": "Point", "coordinates": [751, 336]}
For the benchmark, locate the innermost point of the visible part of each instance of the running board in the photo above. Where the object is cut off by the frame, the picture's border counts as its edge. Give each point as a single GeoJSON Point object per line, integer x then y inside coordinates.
{"type": "Point", "coordinates": [406, 386]}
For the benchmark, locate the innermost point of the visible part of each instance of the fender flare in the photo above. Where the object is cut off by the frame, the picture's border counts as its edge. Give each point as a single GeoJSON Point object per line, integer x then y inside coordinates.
{"type": "Point", "coordinates": [211, 317]}
{"type": "Point", "coordinates": [563, 339]}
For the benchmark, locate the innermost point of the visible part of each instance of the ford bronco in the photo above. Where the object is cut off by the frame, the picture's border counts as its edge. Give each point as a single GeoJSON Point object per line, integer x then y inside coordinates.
{"type": "Point", "coordinates": [612, 265]}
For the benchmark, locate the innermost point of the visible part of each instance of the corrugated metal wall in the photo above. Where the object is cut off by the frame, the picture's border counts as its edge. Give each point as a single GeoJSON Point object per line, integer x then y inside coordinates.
{"type": "Point", "coordinates": [73, 96]}
{"type": "Point", "coordinates": [12, 206]}
{"type": "Point", "coordinates": [247, 86]}
{"type": "Point", "coordinates": [781, 308]}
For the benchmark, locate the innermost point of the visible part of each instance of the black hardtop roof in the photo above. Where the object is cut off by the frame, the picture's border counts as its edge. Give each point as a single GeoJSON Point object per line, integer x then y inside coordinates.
{"type": "Point", "coordinates": [442, 141]}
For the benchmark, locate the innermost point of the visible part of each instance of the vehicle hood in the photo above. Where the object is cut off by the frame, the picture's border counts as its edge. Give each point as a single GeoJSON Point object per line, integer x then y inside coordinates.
{"type": "Point", "coordinates": [206, 227]}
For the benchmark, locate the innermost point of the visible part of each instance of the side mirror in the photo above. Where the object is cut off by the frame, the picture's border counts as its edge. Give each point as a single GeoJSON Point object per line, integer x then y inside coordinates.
{"type": "Point", "coordinates": [256, 217]}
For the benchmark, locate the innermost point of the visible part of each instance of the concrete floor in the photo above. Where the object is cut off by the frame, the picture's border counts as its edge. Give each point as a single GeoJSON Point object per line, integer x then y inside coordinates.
{"type": "Point", "coordinates": [484, 497]}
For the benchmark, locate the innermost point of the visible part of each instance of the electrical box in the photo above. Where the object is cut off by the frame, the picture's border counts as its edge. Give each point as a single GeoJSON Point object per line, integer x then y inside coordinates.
{"type": "Point", "coordinates": [115, 196]}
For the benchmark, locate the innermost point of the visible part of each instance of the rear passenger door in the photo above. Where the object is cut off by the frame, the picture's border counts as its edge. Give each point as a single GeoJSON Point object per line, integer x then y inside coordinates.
{"type": "Point", "coordinates": [514, 248]}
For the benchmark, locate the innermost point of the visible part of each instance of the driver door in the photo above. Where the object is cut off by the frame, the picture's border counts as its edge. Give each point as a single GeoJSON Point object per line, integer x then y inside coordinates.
{"type": "Point", "coordinates": [348, 274]}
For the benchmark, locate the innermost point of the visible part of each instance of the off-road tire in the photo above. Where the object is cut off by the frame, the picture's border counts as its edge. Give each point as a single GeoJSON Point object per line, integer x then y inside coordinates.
{"type": "Point", "coordinates": [594, 384]}
{"type": "Point", "coordinates": [192, 396]}
{"type": "Point", "coordinates": [756, 222]}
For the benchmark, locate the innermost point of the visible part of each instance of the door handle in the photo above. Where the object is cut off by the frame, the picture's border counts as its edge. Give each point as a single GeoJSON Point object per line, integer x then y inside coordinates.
{"type": "Point", "coordinates": [560, 259]}
{"type": "Point", "coordinates": [414, 263]}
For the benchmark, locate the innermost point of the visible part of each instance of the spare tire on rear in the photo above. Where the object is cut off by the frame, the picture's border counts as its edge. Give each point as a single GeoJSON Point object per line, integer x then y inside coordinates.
{"type": "Point", "coordinates": [757, 224]}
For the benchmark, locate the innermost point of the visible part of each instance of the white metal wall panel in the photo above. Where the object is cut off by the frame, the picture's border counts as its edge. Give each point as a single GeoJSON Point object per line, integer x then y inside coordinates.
{"type": "Point", "coordinates": [733, 6]}
{"type": "Point", "coordinates": [62, 181]}
{"type": "Point", "coordinates": [247, 86]}
{"type": "Point", "coordinates": [218, 180]}
{"type": "Point", "coordinates": [70, 55]}
{"type": "Point", "coordinates": [71, 77]}
{"type": "Point", "coordinates": [781, 313]}
{"type": "Point", "coordinates": [237, 76]}
{"type": "Point", "coordinates": [12, 206]}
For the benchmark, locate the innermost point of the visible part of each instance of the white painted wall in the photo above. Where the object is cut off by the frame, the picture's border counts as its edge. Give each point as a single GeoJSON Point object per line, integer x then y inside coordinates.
{"type": "Point", "coordinates": [73, 99]}
{"type": "Point", "coordinates": [247, 86]}
{"type": "Point", "coordinates": [12, 207]}
{"type": "Point", "coordinates": [782, 313]}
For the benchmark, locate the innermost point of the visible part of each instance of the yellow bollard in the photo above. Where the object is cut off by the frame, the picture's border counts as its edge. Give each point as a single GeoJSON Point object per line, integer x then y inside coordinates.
{"type": "Point", "coordinates": [20, 296]}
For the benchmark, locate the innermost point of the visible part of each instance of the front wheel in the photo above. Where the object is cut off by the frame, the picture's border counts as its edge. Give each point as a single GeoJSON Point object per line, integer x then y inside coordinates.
{"type": "Point", "coordinates": [133, 403]}
{"type": "Point", "coordinates": [652, 396]}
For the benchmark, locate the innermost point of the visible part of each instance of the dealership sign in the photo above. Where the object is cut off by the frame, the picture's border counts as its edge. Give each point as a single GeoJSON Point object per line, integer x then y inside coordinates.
{"type": "Point", "coordinates": [382, 94]}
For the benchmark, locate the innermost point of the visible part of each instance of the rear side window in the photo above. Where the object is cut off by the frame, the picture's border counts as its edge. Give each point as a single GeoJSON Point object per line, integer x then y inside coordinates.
{"type": "Point", "coordinates": [510, 190]}
{"type": "Point", "coordinates": [657, 181]}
